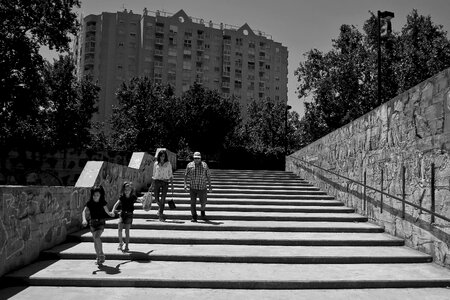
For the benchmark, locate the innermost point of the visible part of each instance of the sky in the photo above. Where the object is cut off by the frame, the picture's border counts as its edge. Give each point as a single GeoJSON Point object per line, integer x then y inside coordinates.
{"type": "Point", "coordinates": [300, 25]}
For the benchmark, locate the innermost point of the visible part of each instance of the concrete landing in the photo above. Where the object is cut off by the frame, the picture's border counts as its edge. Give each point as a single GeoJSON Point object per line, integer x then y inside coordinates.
{"type": "Point", "coordinates": [75, 293]}
{"type": "Point", "coordinates": [120, 273]}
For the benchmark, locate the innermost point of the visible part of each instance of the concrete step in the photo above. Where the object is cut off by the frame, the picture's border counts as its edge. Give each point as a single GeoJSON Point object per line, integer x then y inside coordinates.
{"type": "Point", "coordinates": [259, 202]}
{"type": "Point", "coordinates": [152, 236]}
{"type": "Point", "coordinates": [253, 183]}
{"type": "Point", "coordinates": [237, 173]}
{"type": "Point", "coordinates": [168, 274]}
{"type": "Point", "coordinates": [247, 180]}
{"type": "Point", "coordinates": [174, 215]}
{"type": "Point", "coordinates": [211, 197]}
{"type": "Point", "coordinates": [300, 191]}
{"type": "Point", "coordinates": [258, 208]}
{"type": "Point", "coordinates": [243, 253]}
{"type": "Point", "coordinates": [254, 195]}
{"type": "Point", "coordinates": [272, 226]}
{"type": "Point", "coordinates": [254, 189]}
{"type": "Point", "coordinates": [72, 292]}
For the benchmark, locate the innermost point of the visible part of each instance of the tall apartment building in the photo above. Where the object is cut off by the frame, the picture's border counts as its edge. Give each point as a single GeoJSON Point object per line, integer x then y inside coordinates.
{"type": "Point", "coordinates": [180, 50]}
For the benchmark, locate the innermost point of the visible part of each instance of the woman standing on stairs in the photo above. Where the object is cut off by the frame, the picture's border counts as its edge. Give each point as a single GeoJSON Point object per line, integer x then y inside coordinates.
{"type": "Point", "coordinates": [162, 175]}
{"type": "Point", "coordinates": [97, 209]}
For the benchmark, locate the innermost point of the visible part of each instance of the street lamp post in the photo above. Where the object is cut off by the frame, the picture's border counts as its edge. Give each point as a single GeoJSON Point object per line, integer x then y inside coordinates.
{"type": "Point", "coordinates": [388, 16]}
{"type": "Point", "coordinates": [288, 107]}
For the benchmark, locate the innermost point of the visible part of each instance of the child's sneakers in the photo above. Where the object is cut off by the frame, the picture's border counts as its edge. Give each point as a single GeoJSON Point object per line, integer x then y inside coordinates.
{"type": "Point", "coordinates": [126, 249]}
{"type": "Point", "coordinates": [120, 247]}
{"type": "Point", "coordinates": [100, 260]}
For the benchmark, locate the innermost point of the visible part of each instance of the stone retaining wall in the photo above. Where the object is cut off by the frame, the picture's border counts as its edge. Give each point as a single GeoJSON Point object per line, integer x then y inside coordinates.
{"type": "Point", "coordinates": [36, 218]}
{"type": "Point", "coordinates": [411, 130]}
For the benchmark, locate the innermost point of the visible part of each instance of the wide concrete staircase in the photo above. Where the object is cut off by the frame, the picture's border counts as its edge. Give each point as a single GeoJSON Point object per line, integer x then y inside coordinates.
{"type": "Point", "coordinates": [270, 235]}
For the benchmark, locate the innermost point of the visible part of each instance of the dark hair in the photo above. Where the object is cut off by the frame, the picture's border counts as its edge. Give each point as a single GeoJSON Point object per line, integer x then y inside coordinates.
{"type": "Point", "coordinates": [99, 189]}
{"type": "Point", "coordinates": [124, 185]}
{"type": "Point", "coordinates": [160, 153]}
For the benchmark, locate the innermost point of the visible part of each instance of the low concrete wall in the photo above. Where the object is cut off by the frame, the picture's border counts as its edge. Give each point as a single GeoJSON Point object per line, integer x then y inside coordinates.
{"type": "Point", "coordinates": [35, 218]}
{"type": "Point", "coordinates": [411, 130]}
{"type": "Point", "coordinates": [111, 176]}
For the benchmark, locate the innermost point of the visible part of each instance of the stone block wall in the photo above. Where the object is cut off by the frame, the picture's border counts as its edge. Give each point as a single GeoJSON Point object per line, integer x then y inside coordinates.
{"type": "Point", "coordinates": [411, 130]}
{"type": "Point", "coordinates": [35, 218]}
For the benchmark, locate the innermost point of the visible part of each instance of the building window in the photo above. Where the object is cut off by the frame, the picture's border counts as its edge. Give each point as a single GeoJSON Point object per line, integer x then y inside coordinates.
{"type": "Point", "coordinates": [187, 65]}
{"type": "Point", "coordinates": [173, 29]}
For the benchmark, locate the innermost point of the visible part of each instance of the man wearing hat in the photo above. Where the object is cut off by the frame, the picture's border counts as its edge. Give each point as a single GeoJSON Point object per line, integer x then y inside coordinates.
{"type": "Point", "coordinates": [199, 176]}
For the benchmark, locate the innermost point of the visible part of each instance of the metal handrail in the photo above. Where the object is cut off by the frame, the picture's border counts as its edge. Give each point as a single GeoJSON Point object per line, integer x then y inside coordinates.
{"type": "Point", "coordinates": [433, 214]}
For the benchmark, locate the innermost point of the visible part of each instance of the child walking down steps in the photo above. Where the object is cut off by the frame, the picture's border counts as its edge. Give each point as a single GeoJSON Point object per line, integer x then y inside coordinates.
{"type": "Point", "coordinates": [126, 200]}
{"type": "Point", "coordinates": [97, 209]}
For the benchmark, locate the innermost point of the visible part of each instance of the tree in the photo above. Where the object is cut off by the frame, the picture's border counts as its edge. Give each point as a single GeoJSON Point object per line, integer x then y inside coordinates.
{"type": "Point", "coordinates": [423, 51]}
{"type": "Point", "coordinates": [26, 26]}
{"type": "Point", "coordinates": [264, 130]}
{"type": "Point", "coordinates": [206, 118]}
{"type": "Point", "coordinates": [342, 83]}
{"type": "Point", "coordinates": [141, 120]}
{"type": "Point", "coordinates": [337, 81]}
{"type": "Point", "coordinates": [70, 106]}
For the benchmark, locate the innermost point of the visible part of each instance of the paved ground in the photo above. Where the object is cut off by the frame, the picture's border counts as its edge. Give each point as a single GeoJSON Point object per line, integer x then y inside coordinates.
{"type": "Point", "coordinates": [87, 293]}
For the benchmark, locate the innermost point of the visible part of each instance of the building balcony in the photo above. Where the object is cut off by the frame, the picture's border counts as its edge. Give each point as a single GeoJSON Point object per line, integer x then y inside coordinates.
{"type": "Point", "coordinates": [226, 74]}
{"type": "Point", "coordinates": [90, 50]}
{"type": "Point", "coordinates": [159, 29]}
{"type": "Point", "coordinates": [159, 52]}
{"type": "Point", "coordinates": [225, 85]}
{"type": "Point", "coordinates": [159, 41]}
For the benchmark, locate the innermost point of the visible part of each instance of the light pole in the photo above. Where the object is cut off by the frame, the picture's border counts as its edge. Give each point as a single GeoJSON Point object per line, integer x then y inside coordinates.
{"type": "Point", "coordinates": [288, 107]}
{"type": "Point", "coordinates": [388, 16]}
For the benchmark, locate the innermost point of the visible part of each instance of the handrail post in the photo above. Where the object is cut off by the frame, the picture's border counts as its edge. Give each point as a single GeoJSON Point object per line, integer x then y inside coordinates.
{"type": "Point", "coordinates": [364, 199]}
{"type": "Point", "coordinates": [403, 191]}
{"type": "Point", "coordinates": [381, 202]}
{"type": "Point", "coordinates": [433, 191]}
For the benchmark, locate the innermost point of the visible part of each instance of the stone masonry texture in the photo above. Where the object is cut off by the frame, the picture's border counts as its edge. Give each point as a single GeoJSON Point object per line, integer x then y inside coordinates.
{"type": "Point", "coordinates": [412, 130]}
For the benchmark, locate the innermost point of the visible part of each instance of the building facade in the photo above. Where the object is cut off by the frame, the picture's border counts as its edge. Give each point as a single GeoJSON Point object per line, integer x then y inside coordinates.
{"type": "Point", "coordinates": [179, 50]}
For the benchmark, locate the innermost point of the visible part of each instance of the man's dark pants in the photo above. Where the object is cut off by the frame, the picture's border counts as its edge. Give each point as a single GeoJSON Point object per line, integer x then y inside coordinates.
{"type": "Point", "coordinates": [201, 194]}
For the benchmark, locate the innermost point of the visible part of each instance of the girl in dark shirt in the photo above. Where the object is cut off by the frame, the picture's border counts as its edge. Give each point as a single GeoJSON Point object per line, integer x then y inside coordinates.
{"type": "Point", "coordinates": [126, 200]}
{"type": "Point", "coordinates": [98, 212]}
